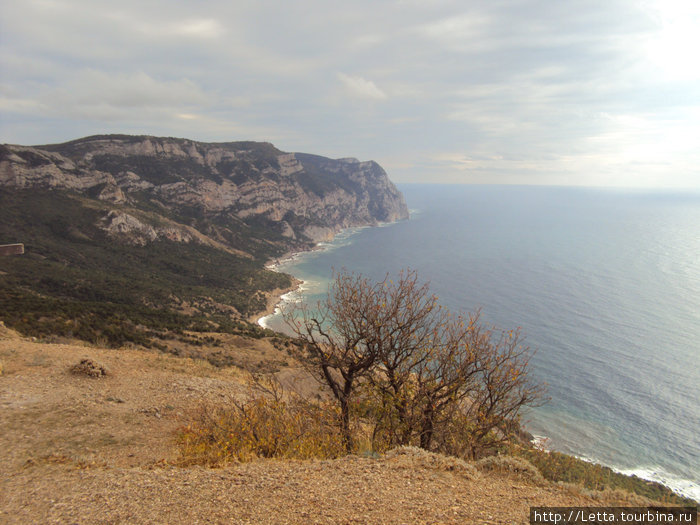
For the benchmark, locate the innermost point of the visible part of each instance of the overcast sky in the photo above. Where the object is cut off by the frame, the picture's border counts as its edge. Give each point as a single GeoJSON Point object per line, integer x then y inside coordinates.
{"type": "Point", "coordinates": [583, 92]}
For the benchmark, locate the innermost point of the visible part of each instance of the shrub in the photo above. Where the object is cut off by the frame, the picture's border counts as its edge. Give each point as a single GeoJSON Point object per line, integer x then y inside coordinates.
{"type": "Point", "coordinates": [412, 457]}
{"type": "Point", "coordinates": [558, 467]}
{"type": "Point", "coordinates": [510, 465]}
{"type": "Point", "coordinates": [88, 367]}
{"type": "Point", "coordinates": [271, 423]}
{"type": "Point", "coordinates": [418, 374]}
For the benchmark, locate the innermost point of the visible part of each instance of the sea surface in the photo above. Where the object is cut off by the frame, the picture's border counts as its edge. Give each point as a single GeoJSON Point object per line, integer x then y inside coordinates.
{"type": "Point", "coordinates": [605, 284]}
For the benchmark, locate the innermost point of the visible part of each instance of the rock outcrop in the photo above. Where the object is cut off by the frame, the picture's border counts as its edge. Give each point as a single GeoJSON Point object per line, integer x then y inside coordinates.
{"type": "Point", "coordinates": [305, 198]}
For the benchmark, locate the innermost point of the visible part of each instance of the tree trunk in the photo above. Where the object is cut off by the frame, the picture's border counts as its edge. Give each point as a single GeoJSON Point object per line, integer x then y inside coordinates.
{"type": "Point", "coordinates": [426, 434]}
{"type": "Point", "coordinates": [345, 425]}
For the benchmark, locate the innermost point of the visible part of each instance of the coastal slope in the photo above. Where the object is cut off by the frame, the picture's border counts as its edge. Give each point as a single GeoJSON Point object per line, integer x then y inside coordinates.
{"type": "Point", "coordinates": [132, 238]}
{"type": "Point", "coordinates": [79, 449]}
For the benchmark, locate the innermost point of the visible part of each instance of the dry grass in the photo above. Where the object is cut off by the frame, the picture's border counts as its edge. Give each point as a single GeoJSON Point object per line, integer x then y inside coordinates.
{"type": "Point", "coordinates": [76, 450]}
{"type": "Point", "coordinates": [418, 458]}
{"type": "Point", "coordinates": [510, 465]}
{"type": "Point", "coordinates": [126, 418]}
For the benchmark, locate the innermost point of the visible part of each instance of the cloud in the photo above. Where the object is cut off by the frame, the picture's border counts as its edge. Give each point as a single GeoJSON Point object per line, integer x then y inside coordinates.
{"type": "Point", "coordinates": [122, 93]}
{"type": "Point", "coordinates": [102, 96]}
{"type": "Point", "coordinates": [485, 91]}
{"type": "Point", "coordinates": [461, 32]}
{"type": "Point", "coordinates": [197, 28]}
{"type": "Point", "coordinates": [16, 104]}
{"type": "Point", "coordinates": [361, 88]}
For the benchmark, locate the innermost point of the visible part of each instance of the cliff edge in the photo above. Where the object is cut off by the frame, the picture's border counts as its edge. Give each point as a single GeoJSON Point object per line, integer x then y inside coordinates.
{"type": "Point", "coordinates": [300, 196]}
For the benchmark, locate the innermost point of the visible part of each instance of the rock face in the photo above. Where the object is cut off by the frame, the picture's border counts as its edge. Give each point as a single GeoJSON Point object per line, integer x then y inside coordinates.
{"type": "Point", "coordinates": [304, 198]}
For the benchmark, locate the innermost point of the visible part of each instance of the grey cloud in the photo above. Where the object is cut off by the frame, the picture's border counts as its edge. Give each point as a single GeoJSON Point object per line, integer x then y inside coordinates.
{"type": "Point", "coordinates": [512, 90]}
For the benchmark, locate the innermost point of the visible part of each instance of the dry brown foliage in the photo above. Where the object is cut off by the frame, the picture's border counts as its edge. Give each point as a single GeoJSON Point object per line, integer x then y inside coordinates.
{"type": "Point", "coordinates": [269, 423]}
{"type": "Point", "coordinates": [393, 358]}
{"type": "Point", "coordinates": [88, 367]}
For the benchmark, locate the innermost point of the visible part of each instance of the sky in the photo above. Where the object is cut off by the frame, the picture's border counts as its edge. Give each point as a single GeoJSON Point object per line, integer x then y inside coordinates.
{"type": "Point", "coordinates": [557, 92]}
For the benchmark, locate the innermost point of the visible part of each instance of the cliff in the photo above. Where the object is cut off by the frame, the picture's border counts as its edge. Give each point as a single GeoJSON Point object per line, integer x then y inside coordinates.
{"type": "Point", "coordinates": [303, 197]}
{"type": "Point", "coordinates": [129, 238]}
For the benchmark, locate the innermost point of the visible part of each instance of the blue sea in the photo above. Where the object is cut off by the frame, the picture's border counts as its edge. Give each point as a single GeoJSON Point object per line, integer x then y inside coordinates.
{"type": "Point", "coordinates": [605, 285]}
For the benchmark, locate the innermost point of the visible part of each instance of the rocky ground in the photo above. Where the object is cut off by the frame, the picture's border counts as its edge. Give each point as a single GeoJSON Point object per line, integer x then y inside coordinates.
{"type": "Point", "coordinates": [81, 449]}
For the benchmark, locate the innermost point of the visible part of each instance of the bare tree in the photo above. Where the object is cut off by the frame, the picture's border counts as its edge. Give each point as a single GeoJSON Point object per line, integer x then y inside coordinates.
{"type": "Point", "coordinates": [503, 388]}
{"type": "Point", "coordinates": [431, 379]}
{"type": "Point", "coordinates": [406, 319]}
{"type": "Point", "coordinates": [448, 376]}
{"type": "Point", "coordinates": [338, 353]}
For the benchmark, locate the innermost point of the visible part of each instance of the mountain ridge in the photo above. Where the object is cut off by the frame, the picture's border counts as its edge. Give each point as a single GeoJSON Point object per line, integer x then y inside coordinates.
{"type": "Point", "coordinates": [303, 195]}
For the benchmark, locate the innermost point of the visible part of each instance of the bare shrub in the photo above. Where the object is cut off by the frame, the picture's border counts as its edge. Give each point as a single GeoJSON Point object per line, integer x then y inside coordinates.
{"type": "Point", "coordinates": [90, 368]}
{"type": "Point", "coordinates": [338, 349]}
{"type": "Point", "coordinates": [393, 358]}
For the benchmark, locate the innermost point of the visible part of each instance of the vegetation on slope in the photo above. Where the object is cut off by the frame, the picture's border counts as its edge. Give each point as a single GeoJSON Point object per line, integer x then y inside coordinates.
{"type": "Point", "coordinates": [76, 281]}
{"type": "Point", "coordinates": [273, 423]}
{"type": "Point", "coordinates": [396, 370]}
{"type": "Point", "coordinates": [131, 236]}
{"type": "Point", "coordinates": [559, 467]}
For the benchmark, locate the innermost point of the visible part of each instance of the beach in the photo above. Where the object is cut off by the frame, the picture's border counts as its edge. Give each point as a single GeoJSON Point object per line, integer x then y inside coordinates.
{"type": "Point", "coordinates": [271, 317]}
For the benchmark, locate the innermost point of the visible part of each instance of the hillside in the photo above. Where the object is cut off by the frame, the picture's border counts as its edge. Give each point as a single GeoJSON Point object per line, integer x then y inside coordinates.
{"type": "Point", "coordinates": [153, 251]}
{"type": "Point", "coordinates": [77, 449]}
{"type": "Point", "coordinates": [136, 239]}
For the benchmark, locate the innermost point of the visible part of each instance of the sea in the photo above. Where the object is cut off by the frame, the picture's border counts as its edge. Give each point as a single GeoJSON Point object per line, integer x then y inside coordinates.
{"type": "Point", "coordinates": [603, 283]}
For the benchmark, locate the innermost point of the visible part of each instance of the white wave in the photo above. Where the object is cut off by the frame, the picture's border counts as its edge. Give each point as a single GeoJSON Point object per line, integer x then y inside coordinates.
{"type": "Point", "coordinates": [342, 238]}
{"type": "Point", "coordinates": [684, 487]}
{"type": "Point", "coordinates": [279, 263]}
{"type": "Point", "coordinates": [263, 321]}
{"type": "Point", "coordinates": [291, 297]}
{"type": "Point", "coordinates": [540, 442]}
